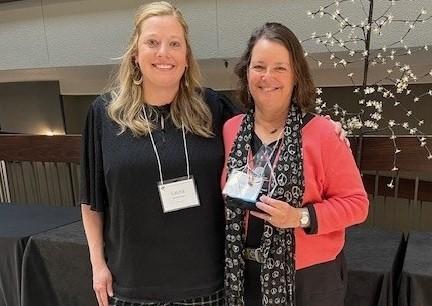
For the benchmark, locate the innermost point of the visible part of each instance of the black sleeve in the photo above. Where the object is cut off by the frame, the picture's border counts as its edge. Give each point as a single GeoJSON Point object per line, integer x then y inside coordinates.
{"type": "Point", "coordinates": [93, 190]}
{"type": "Point", "coordinates": [313, 227]}
{"type": "Point", "coordinates": [223, 107]}
{"type": "Point", "coordinates": [229, 109]}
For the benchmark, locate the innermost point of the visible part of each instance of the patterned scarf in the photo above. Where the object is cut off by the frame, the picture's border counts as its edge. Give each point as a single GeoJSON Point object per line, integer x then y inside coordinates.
{"type": "Point", "coordinates": [277, 245]}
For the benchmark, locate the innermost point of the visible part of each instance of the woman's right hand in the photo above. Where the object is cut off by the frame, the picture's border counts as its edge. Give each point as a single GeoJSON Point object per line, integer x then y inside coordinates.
{"type": "Point", "coordinates": [102, 284]}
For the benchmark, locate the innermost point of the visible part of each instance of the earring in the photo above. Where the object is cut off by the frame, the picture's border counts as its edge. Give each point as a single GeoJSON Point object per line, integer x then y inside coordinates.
{"type": "Point", "coordinates": [186, 79]}
{"type": "Point", "coordinates": [249, 98]}
{"type": "Point", "coordinates": [137, 77]}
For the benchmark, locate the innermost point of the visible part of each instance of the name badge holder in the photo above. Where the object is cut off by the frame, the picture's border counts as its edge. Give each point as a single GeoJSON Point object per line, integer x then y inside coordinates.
{"type": "Point", "coordinates": [178, 193]}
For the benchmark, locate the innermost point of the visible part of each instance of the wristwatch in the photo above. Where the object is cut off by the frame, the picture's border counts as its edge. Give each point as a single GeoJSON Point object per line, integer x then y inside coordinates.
{"type": "Point", "coordinates": [304, 218]}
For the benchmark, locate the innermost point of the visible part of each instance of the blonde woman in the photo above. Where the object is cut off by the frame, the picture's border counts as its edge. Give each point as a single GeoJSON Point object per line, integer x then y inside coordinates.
{"type": "Point", "coordinates": [151, 240]}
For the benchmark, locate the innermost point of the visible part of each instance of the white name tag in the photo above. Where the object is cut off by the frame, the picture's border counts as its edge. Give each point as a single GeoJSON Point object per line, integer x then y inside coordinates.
{"type": "Point", "coordinates": [178, 195]}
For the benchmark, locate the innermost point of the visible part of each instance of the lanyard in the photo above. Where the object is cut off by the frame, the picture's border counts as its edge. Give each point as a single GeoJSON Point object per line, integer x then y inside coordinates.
{"type": "Point", "coordinates": [157, 154]}
{"type": "Point", "coordinates": [272, 164]}
{"type": "Point", "coordinates": [276, 146]}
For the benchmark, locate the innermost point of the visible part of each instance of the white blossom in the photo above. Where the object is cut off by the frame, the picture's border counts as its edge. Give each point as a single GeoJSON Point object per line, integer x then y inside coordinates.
{"type": "Point", "coordinates": [376, 116]}
{"type": "Point", "coordinates": [354, 123]}
{"type": "Point", "coordinates": [369, 90]}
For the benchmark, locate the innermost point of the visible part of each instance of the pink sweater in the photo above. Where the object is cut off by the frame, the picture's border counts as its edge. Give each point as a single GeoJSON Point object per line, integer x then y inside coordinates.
{"type": "Point", "coordinates": [332, 183]}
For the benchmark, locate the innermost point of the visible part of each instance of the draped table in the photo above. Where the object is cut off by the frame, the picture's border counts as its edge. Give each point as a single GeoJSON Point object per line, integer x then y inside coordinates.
{"type": "Point", "coordinates": [416, 278]}
{"type": "Point", "coordinates": [17, 224]}
{"type": "Point", "coordinates": [57, 270]}
{"type": "Point", "coordinates": [374, 262]}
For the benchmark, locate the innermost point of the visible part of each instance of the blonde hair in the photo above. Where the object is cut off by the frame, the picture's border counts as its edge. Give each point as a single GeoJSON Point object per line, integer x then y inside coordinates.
{"type": "Point", "coordinates": [188, 106]}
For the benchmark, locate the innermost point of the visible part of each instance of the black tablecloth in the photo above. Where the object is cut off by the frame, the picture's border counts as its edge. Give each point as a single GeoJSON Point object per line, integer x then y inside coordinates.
{"type": "Point", "coordinates": [374, 259]}
{"type": "Point", "coordinates": [56, 269]}
{"type": "Point", "coordinates": [416, 280]}
{"type": "Point", "coordinates": [17, 224]}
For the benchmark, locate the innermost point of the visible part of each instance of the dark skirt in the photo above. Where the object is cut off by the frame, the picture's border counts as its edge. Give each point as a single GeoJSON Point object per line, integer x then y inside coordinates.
{"type": "Point", "coordinates": [319, 285]}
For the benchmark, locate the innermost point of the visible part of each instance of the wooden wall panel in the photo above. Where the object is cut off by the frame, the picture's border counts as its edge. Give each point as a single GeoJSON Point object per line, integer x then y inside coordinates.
{"type": "Point", "coordinates": [58, 148]}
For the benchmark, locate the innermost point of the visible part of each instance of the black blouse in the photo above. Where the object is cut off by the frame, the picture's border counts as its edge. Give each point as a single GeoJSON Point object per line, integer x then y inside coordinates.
{"type": "Point", "coordinates": [152, 255]}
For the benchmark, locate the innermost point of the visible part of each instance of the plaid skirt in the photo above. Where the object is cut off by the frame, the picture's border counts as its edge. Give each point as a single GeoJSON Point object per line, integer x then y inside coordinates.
{"type": "Point", "coordinates": [215, 299]}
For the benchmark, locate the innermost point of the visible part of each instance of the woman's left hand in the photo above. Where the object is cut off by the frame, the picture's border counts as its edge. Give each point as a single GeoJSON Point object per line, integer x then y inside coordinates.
{"type": "Point", "coordinates": [339, 130]}
{"type": "Point", "coordinates": [278, 213]}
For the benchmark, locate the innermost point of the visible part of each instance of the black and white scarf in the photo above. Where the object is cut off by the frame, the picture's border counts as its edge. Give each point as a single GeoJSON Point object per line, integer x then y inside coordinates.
{"type": "Point", "coordinates": [277, 245]}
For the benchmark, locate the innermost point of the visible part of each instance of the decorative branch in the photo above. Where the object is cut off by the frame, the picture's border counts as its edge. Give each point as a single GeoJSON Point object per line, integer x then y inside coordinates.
{"type": "Point", "coordinates": [353, 43]}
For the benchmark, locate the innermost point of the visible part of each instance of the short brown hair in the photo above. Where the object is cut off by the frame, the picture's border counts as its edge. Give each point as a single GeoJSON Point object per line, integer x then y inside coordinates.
{"type": "Point", "coordinates": [304, 89]}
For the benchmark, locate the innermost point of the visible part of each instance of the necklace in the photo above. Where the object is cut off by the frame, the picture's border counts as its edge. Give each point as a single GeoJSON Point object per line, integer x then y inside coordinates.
{"type": "Point", "coordinates": [270, 129]}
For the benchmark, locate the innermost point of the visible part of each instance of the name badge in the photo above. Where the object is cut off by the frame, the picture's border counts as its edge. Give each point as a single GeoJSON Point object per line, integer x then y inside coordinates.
{"type": "Point", "coordinates": [178, 194]}
{"type": "Point", "coordinates": [244, 186]}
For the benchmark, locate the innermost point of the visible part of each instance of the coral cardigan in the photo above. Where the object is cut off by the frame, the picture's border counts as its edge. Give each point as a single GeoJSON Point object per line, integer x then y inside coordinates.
{"type": "Point", "coordinates": [332, 184]}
